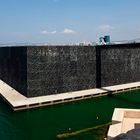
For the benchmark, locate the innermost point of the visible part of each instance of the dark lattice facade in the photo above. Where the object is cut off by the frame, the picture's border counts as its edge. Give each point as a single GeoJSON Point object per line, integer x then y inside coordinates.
{"type": "Point", "coordinates": [45, 70]}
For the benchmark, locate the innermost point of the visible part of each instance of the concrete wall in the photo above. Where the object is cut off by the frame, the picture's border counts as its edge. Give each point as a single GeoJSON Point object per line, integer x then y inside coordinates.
{"type": "Point", "coordinates": [44, 70]}
{"type": "Point", "coordinates": [120, 64]}
{"type": "Point", "coordinates": [13, 67]}
{"type": "Point", "coordinates": [58, 69]}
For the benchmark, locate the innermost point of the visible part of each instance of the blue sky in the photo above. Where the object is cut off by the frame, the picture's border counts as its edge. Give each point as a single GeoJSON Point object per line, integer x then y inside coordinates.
{"type": "Point", "coordinates": [68, 21]}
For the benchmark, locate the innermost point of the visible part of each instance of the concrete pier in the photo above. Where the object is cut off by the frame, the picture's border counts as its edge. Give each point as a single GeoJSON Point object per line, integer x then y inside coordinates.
{"type": "Point", "coordinates": [19, 102]}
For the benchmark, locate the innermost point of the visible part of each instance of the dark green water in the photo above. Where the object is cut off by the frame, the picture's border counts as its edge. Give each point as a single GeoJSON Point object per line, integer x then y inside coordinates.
{"type": "Point", "coordinates": [45, 123]}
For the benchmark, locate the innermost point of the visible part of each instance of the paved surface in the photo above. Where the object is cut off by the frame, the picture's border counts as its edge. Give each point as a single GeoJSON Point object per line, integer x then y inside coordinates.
{"type": "Point", "coordinates": [130, 135]}
{"type": "Point", "coordinates": [15, 99]}
{"type": "Point", "coordinates": [10, 94]}
{"type": "Point", "coordinates": [123, 121]}
{"type": "Point", "coordinates": [130, 123]}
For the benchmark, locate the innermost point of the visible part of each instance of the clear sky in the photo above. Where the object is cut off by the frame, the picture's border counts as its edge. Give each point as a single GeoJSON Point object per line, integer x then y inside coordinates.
{"type": "Point", "coordinates": [67, 21]}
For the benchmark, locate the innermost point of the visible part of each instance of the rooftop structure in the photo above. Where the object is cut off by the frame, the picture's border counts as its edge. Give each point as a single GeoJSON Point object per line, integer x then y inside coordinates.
{"type": "Point", "coordinates": [47, 70]}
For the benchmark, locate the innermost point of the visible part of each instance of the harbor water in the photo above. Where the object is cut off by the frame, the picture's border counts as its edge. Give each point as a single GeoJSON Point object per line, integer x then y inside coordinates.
{"type": "Point", "coordinates": [46, 123]}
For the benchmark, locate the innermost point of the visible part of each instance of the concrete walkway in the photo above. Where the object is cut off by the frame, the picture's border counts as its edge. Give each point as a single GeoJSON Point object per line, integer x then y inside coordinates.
{"type": "Point", "coordinates": [123, 120]}
{"type": "Point", "coordinates": [20, 102]}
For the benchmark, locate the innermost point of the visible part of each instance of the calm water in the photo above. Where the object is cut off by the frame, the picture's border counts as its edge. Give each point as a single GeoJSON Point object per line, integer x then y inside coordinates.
{"type": "Point", "coordinates": [45, 123]}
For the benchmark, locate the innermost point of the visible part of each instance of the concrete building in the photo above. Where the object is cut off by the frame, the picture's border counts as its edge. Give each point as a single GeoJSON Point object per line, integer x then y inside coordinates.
{"type": "Point", "coordinates": [47, 70]}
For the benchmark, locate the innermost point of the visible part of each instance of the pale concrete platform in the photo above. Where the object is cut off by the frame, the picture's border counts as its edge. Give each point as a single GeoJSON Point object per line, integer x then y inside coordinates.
{"type": "Point", "coordinates": [123, 120]}
{"type": "Point", "coordinates": [20, 102]}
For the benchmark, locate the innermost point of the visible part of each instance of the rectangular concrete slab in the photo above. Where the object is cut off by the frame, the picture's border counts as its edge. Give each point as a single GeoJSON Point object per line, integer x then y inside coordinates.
{"type": "Point", "coordinates": [123, 120]}
{"type": "Point", "coordinates": [19, 102]}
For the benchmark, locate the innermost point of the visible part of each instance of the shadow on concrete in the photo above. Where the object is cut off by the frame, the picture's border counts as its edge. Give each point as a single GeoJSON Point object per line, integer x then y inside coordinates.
{"type": "Point", "coordinates": [137, 125]}
{"type": "Point", "coordinates": [133, 134]}
{"type": "Point", "coordinates": [107, 90]}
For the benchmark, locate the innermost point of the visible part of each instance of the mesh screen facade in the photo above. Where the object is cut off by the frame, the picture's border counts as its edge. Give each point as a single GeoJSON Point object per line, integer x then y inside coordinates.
{"type": "Point", "coordinates": [120, 64]}
{"type": "Point", "coordinates": [44, 70]}
{"type": "Point", "coordinates": [58, 69]}
{"type": "Point", "coordinates": [13, 68]}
